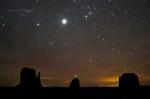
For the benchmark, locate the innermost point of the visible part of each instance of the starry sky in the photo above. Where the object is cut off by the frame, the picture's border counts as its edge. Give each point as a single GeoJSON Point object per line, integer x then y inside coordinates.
{"type": "Point", "coordinates": [98, 40]}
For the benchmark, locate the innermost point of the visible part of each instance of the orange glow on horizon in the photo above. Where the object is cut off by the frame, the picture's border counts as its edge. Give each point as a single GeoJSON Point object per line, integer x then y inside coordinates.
{"type": "Point", "coordinates": [109, 81]}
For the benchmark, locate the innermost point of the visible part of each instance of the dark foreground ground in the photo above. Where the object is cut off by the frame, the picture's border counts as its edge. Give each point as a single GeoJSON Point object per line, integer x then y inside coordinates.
{"type": "Point", "coordinates": [68, 93]}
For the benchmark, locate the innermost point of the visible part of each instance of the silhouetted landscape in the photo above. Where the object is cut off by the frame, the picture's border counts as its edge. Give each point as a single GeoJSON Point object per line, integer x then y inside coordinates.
{"type": "Point", "coordinates": [30, 86]}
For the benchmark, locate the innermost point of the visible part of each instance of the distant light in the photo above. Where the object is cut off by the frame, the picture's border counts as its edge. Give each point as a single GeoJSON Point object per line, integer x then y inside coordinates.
{"type": "Point", "coordinates": [51, 43]}
{"type": "Point", "coordinates": [64, 21]}
{"type": "Point", "coordinates": [90, 60]}
{"type": "Point", "coordinates": [38, 24]}
{"type": "Point", "coordinates": [75, 75]}
{"type": "Point", "coordinates": [3, 25]}
{"type": "Point", "coordinates": [103, 39]}
{"type": "Point", "coordinates": [85, 16]}
{"type": "Point", "coordinates": [90, 13]}
{"type": "Point", "coordinates": [112, 49]}
{"type": "Point", "coordinates": [135, 48]}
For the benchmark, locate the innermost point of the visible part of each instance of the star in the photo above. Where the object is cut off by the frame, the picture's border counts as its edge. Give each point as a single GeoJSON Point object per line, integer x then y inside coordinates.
{"type": "Point", "coordinates": [75, 76]}
{"type": "Point", "coordinates": [130, 53]}
{"type": "Point", "coordinates": [113, 49]}
{"type": "Point", "coordinates": [3, 25]}
{"type": "Point", "coordinates": [38, 24]}
{"type": "Point", "coordinates": [51, 43]}
{"type": "Point", "coordinates": [135, 48]}
{"type": "Point", "coordinates": [90, 13]}
{"type": "Point", "coordinates": [90, 60]}
{"type": "Point", "coordinates": [125, 12]}
{"type": "Point", "coordinates": [85, 16]}
{"type": "Point", "coordinates": [106, 42]}
{"type": "Point", "coordinates": [64, 21]}
{"type": "Point", "coordinates": [103, 39]}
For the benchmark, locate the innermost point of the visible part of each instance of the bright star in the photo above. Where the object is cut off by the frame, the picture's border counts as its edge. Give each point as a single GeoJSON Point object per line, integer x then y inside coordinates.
{"type": "Point", "coordinates": [38, 24]}
{"type": "Point", "coordinates": [64, 21]}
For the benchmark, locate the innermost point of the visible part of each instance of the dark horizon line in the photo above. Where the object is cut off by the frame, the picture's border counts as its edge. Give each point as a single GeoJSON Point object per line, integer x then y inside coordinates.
{"type": "Point", "coordinates": [80, 86]}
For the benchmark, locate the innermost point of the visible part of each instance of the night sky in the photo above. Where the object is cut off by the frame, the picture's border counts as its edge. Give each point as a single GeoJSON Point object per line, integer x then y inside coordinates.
{"type": "Point", "coordinates": [98, 40]}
